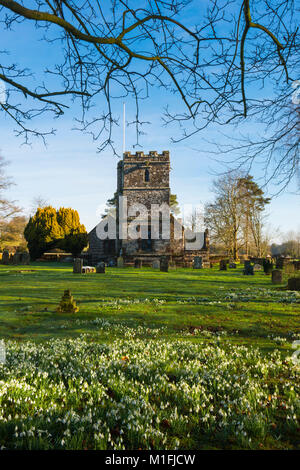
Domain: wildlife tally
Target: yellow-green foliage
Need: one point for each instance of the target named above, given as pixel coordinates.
(50, 228)
(69, 220)
(75, 236)
(12, 233)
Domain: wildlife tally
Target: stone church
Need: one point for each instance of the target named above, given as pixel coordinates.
(145, 179)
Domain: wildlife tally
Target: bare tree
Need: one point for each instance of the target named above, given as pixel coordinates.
(235, 218)
(123, 48)
(8, 209)
(276, 148)
(195, 220)
(224, 216)
(38, 202)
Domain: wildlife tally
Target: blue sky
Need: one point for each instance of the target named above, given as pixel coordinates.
(69, 172)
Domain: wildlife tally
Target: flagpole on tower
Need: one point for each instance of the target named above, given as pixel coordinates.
(124, 141)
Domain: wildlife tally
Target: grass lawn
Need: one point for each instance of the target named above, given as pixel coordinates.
(185, 359)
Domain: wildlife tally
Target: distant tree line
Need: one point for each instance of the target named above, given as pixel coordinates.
(12, 223)
(289, 247)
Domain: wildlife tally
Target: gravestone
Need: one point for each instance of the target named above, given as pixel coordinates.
(257, 267)
(276, 276)
(100, 268)
(120, 262)
(77, 266)
(281, 262)
(156, 264)
(268, 266)
(294, 283)
(197, 262)
(248, 268)
(297, 265)
(5, 257)
(223, 265)
(25, 257)
(17, 258)
(232, 265)
(137, 263)
(67, 303)
(289, 268)
(164, 264)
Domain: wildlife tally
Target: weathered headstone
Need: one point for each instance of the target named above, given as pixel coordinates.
(77, 266)
(281, 262)
(137, 263)
(294, 283)
(197, 262)
(17, 258)
(67, 303)
(25, 257)
(100, 268)
(120, 262)
(297, 265)
(257, 267)
(268, 266)
(5, 257)
(223, 265)
(248, 268)
(276, 276)
(164, 264)
(156, 264)
(289, 268)
(232, 265)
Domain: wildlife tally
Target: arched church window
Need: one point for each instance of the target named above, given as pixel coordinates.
(147, 175)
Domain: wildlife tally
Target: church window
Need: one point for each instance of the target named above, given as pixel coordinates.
(147, 175)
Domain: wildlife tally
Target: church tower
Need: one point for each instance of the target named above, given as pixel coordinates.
(144, 178)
